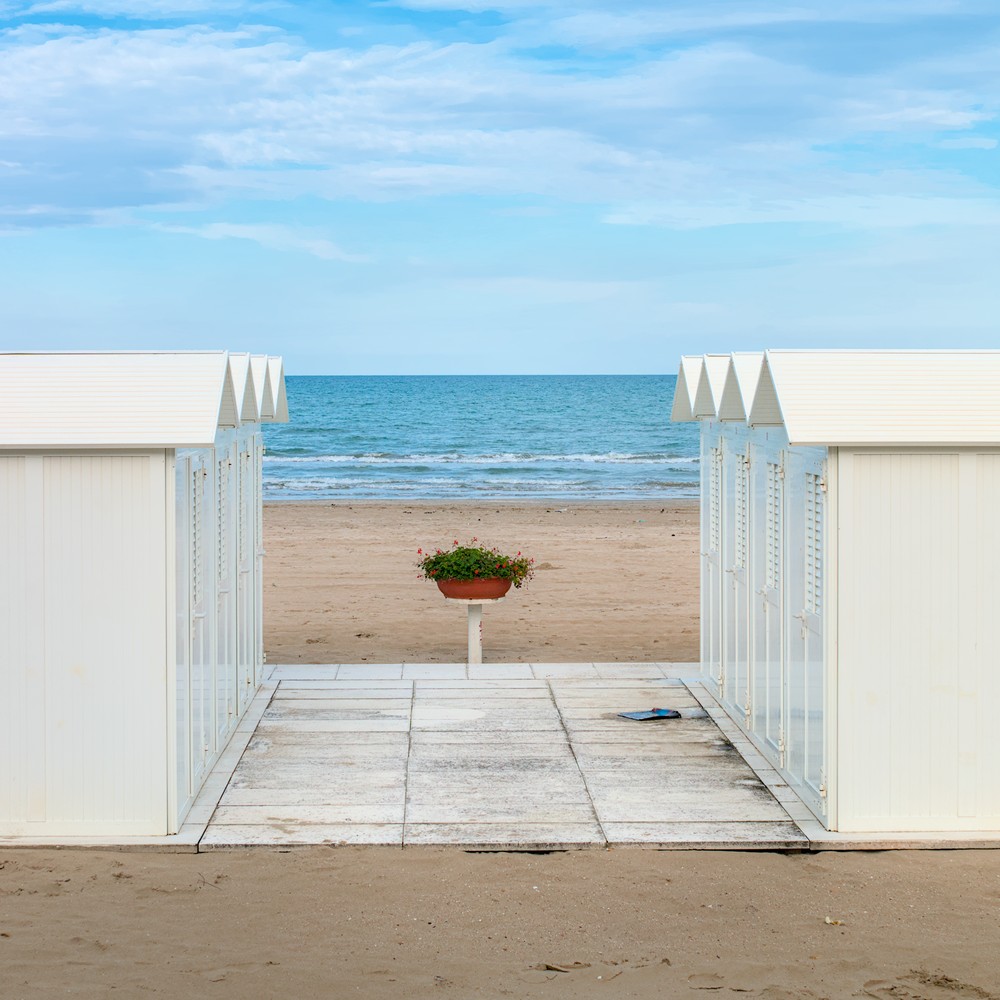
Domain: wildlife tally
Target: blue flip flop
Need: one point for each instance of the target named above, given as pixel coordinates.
(653, 713)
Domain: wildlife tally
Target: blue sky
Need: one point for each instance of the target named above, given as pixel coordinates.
(463, 186)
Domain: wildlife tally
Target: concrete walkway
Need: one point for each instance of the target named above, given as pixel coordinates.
(512, 757)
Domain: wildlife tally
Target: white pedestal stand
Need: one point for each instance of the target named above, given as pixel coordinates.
(475, 624)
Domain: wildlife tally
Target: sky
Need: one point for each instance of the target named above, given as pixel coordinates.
(439, 186)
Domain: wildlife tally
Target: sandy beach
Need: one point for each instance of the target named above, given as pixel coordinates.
(614, 582)
(384, 923)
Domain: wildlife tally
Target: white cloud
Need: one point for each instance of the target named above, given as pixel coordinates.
(274, 237)
(857, 211)
(141, 9)
(193, 115)
(969, 142)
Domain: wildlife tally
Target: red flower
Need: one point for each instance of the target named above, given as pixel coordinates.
(476, 572)
(420, 552)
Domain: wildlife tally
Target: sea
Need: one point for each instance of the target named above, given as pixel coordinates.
(484, 437)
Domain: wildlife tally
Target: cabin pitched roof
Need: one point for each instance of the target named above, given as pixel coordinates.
(262, 386)
(861, 398)
(714, 369)
(117, 399)
(740, 385)
(886, 397)
(276, 370)
(687, 385)
(239, 367)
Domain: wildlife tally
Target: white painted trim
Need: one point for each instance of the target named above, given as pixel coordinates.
(831, 627)
(170, 624)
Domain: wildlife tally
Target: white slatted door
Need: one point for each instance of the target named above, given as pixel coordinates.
(258, 576)
(245, 599)
(202, 694)
(804, 730)
(712, 564)
(227, 665)
(737, 587)
(767, 708)
(183, 634)
(727, 556)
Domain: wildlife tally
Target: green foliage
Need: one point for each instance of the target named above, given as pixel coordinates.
(471, 562)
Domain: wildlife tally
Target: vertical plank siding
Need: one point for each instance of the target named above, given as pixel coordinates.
(918, 591)
(85, 572)
(21, 660)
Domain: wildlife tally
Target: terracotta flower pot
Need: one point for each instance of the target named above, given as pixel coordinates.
(472, 590)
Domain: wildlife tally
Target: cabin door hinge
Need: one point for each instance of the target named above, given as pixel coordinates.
(822, 785)
(781, 748)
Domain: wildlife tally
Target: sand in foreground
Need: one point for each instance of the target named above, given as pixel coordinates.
(615, 582)
(385, 923)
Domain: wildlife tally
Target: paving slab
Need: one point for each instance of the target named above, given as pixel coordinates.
(500, 671)
(545, 671)
(330, 710)
(699, 836)
(332, 726)
(355, 812)
(218, 837)
(459, 811)
(314, 795)
(506, 836)
(433, 671)
(381, 671)
(373, 687)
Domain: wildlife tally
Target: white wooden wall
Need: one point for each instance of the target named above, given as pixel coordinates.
(918, 663)
(83, 609)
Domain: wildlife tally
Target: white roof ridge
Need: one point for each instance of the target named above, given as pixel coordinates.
(261, 373)
(710, 385)
(276, 370)
(243, 387)
(740, 385)
(688, 373)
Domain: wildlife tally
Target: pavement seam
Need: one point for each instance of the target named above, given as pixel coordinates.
(572, 750)
(409, 755)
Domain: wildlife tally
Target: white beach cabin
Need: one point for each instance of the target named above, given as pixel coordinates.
(130, 597)
(850, 581)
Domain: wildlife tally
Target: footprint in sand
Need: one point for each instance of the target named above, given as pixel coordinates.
(919, 985)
